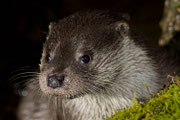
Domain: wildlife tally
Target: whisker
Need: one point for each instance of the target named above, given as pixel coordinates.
(24, 74)
(22, 77)
(25, 68)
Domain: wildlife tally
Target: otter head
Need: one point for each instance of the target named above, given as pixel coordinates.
(80, 53)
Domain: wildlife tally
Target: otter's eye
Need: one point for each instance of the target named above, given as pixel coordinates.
(85, 59)
(48, 58)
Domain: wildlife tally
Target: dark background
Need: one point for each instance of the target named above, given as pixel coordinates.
(24, 25)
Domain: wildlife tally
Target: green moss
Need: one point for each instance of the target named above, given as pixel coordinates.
(178, 5)
(165, 105)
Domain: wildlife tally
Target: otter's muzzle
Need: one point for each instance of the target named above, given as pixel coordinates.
(55, 81)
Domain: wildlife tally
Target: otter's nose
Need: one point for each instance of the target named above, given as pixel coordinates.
(55, 80)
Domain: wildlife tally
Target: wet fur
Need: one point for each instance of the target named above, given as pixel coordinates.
(122, 64)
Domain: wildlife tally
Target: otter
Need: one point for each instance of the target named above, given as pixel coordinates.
(93, 62)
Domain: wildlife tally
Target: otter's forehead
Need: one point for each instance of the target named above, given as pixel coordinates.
(83, 37)
(83, 27)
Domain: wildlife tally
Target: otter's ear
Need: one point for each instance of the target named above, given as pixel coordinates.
(51, 25)
(122, 28)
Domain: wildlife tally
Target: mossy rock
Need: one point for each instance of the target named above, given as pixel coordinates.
(165, 105)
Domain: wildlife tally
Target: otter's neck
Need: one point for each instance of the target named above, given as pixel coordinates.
(138, 70)
(90, 107)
